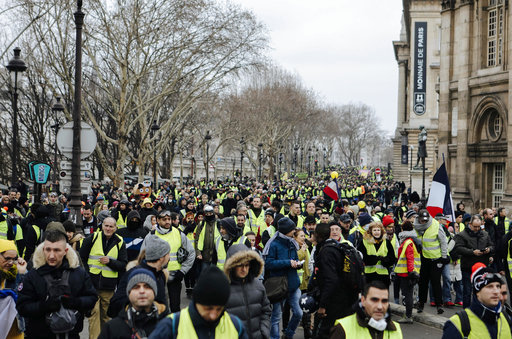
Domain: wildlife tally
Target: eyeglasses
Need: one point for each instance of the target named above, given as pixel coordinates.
(11, 260)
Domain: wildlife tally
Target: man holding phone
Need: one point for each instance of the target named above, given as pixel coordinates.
(473, 245)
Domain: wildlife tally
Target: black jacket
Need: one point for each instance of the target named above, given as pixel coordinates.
(30, 236)
(118, 265)
(120, 299)
(334, 296)
(118, 327)
(34, 291)
(133, 235)
(466, 242)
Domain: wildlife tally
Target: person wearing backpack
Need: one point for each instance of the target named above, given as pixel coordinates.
(55, 263)
(104, 257)
(334, 295)
(485, 317)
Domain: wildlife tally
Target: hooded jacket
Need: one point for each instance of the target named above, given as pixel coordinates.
(133, 235)
(34, 291)
(248, 299)
(148, 226)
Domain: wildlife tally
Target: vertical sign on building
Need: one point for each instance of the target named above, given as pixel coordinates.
(420, 67)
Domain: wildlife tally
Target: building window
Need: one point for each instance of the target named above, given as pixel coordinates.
(498, 184)
(494, 125)
(495, 31)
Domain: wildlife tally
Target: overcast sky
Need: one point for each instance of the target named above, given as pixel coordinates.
(340, 48)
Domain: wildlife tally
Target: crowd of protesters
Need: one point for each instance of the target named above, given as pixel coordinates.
(256, 260)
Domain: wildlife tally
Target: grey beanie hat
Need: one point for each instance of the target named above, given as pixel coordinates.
(141, 275)
(102, 215)
(156, 248)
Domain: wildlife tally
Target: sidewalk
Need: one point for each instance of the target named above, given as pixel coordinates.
(429, 315)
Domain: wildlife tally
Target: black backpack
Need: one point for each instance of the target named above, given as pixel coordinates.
(352, 272)
(63, 320)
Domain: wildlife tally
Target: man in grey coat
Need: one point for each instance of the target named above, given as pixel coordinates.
(248, 299)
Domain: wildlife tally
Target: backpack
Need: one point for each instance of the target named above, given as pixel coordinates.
(352, 271)
(63, 320)
(465, 326)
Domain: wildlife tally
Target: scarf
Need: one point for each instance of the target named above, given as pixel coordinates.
(282, 236)
(162, 230)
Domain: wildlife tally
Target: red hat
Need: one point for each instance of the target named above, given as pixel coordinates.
(387, 220)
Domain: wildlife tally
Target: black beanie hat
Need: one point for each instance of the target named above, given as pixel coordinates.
(229, 225)
(285, 225)
(212, 288)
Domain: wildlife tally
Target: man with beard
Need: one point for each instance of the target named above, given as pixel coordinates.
(205, 235)
(256, 217)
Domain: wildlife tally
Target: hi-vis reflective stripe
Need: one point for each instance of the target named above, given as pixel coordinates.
(2, 234)
(101, 256)
(219, 260)
(428, 247)
(417, 262)
(376, 267)
(103, 268)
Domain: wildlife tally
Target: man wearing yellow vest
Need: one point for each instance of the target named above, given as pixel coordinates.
(230, 234)
(182, 255)
(434, 256)
(485, 317)
(104, 257)
(205, 235)
(205, 316)
(371, 319)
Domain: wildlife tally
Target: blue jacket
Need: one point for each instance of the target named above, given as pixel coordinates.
(277, 262)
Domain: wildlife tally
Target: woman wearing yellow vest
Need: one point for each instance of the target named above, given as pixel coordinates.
(485, 318)
(378, 253)
(408, 267)
(371, 319)
(206, 314)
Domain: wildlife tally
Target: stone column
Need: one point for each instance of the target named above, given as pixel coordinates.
(402, 95)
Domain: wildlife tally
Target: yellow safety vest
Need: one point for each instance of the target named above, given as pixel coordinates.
(353, 330)
(509, 259)
(382, 252)
(430, 242)
(225, 328)
(394, 243)
(221, 251)
(173, 238)
(38, 232)
(190, 235)
(300, 220)
(95, 266)
(506, 223)
(200, 240)
(478, 328)
(121, 223)
(257, 223)
(401, 266)
(3, 229)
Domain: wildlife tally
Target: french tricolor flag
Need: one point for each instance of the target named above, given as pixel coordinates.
(440, 197)
(331, 190)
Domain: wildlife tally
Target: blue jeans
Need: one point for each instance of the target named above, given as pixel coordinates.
(457, 287)
(467, 289)
(445, 274)
(293, 300)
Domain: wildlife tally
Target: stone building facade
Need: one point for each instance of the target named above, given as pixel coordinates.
(474, 100)
(418, 56)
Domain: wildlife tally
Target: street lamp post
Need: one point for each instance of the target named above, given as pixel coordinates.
(56, 108)
(154, 130)
(242, 142)
(16, 65)
(325, 155)
(260, 156)
(309, 161)
(301, 158)
(75, 203)
(410, 172)
(295, 149)
(280, 160)
(207, 138)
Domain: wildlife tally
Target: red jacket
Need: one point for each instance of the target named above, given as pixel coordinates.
(409, 255)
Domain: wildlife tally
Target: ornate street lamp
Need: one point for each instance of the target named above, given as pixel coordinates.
(242, 142)
(16, 65)
(260, 156)
(57, 108)
(154, 130)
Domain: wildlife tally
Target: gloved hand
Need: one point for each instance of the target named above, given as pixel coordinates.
(175, 277)
(392, 276)
(70, 302)
(414, 275)
(445, 260)
(50, 305)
